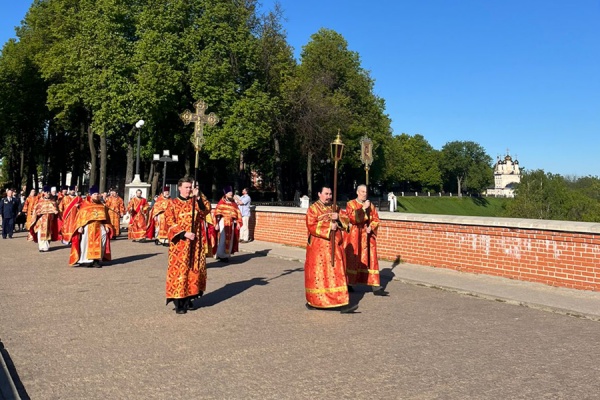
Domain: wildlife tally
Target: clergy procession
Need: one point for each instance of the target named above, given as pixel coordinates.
(341, 251)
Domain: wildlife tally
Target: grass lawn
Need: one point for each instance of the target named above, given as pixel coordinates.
(472, 206)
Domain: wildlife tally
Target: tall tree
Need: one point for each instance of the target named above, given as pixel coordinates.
(467, 164)
(412, 159)
(23, 114)
(332, 91)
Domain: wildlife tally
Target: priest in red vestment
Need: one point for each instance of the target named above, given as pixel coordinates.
(138, 211)
(325, 284)
(90, 243)
(116, 209)
(157, 226)
(29, 209)
(44, 228)
(186, 273)
(228, 221)
(68, 208)
(362, 266)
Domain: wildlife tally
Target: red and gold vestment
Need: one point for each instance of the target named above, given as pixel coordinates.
(68, 208)
(157, 218)
(229, 213)
(116, 209)
(94, 216)
(362, 266)
(186, 278)
(325, 285)
(45, 221)
(138, 210)
(29, 211)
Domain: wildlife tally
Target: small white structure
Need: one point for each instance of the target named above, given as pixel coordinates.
(506, 173)
(392, 200)
(304, 201)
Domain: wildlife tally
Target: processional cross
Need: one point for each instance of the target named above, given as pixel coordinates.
(199, 119)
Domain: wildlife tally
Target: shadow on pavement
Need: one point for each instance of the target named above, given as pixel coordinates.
(125, 260)
(386, 275)
(11, 386)
(238, 258)
(228, 291)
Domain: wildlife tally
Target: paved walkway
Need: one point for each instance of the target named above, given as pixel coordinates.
(76, 333)
(584, 304)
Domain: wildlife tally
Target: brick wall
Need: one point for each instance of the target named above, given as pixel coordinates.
(556, 253)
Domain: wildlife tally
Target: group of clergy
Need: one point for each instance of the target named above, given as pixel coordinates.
(223, 224)
(65, 216)
(341, 252)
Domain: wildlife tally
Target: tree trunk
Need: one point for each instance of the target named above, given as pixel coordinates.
(278, 185)
(459, 181)
(309, 174)
(130, 156)
(93, 156)
(153, 173)
(103, 160)
(22, 180)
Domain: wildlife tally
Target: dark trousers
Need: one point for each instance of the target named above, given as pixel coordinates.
(8, 226)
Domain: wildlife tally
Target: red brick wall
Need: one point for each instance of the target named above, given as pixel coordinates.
(557, 253)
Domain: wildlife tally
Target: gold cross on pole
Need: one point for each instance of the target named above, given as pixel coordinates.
(199, 119)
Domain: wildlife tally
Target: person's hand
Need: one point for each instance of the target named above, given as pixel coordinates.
(366, 204)
(190, 236)
(195, 192)
(368, 229)
(334, 226)
(80, 230)
(334, 216)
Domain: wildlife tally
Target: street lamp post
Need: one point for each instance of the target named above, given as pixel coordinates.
(337, 149)
(166, 158)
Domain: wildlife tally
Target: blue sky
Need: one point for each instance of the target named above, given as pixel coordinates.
(522, 75)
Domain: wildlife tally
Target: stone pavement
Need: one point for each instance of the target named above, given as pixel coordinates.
(584, 304)
(76, 333)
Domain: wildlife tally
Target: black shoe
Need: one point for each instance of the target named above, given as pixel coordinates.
(381, 292)
(309, 307)
(180, 306)
(142, 240)
(225, 260)
(350, 289)
(349, 309)
(96, 264)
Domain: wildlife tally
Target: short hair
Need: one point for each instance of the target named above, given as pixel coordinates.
(139, 190)
(185, 179)
(324, 187)
(362, 185)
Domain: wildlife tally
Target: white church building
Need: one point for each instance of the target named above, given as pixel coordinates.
(506, 173)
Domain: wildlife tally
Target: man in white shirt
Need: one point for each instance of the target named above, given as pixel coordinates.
(244, 206)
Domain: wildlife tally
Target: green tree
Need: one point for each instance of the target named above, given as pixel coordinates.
(23, 114)
(331, 92)
(542, 195)
(467, 164)
(412, 159)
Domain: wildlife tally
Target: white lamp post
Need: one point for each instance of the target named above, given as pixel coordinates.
(166, 158)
